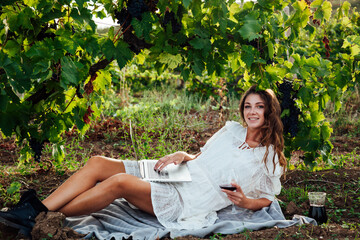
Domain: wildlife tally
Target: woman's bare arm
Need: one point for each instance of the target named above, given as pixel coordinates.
(175, 158)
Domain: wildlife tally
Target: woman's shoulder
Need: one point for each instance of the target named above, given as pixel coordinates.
(236, 129)
(235, 125)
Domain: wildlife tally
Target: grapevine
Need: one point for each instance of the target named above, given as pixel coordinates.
(56, 59)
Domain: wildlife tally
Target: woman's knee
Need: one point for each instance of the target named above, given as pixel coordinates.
(121, 183)
(95, 162)
(104, 167)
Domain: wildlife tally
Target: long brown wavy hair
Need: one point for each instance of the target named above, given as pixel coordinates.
(272, 129)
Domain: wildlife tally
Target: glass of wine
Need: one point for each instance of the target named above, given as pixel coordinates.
(227, 179)
(317, 209)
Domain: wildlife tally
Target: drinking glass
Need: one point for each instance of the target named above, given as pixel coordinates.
(228, 178)
(317, 209)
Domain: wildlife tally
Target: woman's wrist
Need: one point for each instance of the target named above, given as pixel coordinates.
(189, 157)
(256, 204)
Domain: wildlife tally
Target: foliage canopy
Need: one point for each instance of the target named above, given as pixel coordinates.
(54, 66)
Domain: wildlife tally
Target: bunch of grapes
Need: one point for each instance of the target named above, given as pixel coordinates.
(136, 8)
(37, 147)
(327, 47)
(288, 96)
(87, 114)
(123, 18)
(170, 17)
(316, 22)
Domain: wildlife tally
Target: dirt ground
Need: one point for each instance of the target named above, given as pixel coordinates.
(335, 181)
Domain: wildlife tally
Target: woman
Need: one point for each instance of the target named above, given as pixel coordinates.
(255, 152)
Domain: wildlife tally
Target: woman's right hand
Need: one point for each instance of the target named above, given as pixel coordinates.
(175, 158)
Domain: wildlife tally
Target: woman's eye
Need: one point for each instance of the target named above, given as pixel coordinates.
(261, 106)
(247, 106)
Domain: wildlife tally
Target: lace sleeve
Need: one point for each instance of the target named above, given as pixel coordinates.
(268, 183)
(268, 187)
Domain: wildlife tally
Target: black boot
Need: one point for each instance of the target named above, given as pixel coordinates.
(22, 215)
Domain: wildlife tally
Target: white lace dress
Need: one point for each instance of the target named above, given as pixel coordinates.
(194, 204)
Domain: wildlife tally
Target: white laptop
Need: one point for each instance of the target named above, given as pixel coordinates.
(171, 173)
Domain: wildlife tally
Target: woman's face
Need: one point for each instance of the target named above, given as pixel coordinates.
(254, 110)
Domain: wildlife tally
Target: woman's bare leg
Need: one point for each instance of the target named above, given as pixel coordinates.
(133, 189)
(97, 169)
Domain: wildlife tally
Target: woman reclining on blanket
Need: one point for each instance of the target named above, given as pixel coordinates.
(254, 151)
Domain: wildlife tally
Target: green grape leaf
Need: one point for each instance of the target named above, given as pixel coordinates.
(198, 66)
(41, 66)
(251, 28)
(323, 11)
(326, 131)
(299, 5)
(12, 48)
(248, 54)
(316, 115)
(102, 80)
(353, 42)
(344, 8)
(172, 61)
(83, 15)
(69, 72)
(24, 19)
(316, 3)
(201, 44)
(198, 43)
(31, 3)
(66, 43)
(186, 3)
(196, 8)
(123, 53)
(185, 73)
(276, 73)
(142, 28)
(271, 50)
(137, 27)
(108, 48)
(52, 14)
(299, 19)
(234, 62)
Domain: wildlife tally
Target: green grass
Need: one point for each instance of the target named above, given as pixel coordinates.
(166, 115)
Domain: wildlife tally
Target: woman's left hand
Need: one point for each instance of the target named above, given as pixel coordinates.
(237, 197)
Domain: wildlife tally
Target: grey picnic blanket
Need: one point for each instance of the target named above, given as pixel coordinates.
(121, 221)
